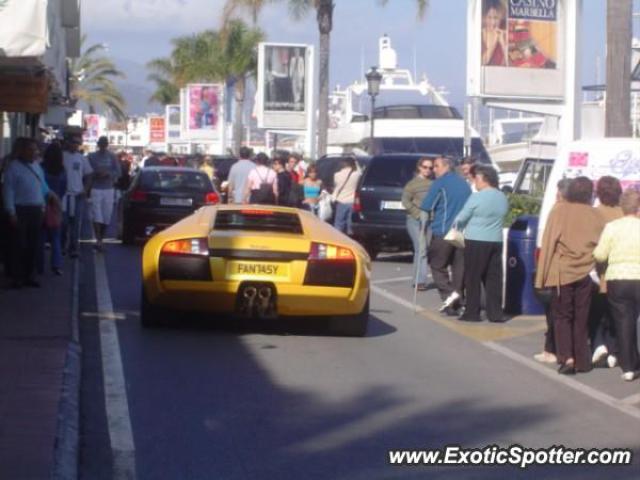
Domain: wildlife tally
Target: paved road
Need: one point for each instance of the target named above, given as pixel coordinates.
(204, 401)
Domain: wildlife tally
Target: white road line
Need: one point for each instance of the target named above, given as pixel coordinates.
(115, 392)
(631, 399)
(568, 381)
(392, 280)
(623, 406)
(395, 298)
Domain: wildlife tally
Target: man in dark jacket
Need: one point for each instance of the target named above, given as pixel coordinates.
(445, 199)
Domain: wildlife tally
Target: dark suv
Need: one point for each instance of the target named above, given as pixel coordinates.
(379, 220)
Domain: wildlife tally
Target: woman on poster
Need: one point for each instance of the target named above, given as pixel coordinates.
(494, 36)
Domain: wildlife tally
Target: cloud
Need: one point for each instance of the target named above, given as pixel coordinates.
(145, 15)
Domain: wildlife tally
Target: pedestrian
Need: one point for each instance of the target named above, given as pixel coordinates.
(262, 185)
(601, 326)
(345, 183)
(296, 194)
(619, 247)
(5, 228)
(284, 181)
(548, 354)
(206, 166)
(106, 170)
(78, 171)
(25, 193)
(446, 197)
(412, 196)
(238, 175)
(56, 178)
(466, 167)
(123, 182)
(312, 186)
(482, 219)
(566, 261)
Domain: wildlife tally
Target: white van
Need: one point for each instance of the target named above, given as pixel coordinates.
(617, 157)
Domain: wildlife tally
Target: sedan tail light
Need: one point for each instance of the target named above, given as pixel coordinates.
(138, 196)
(212, 198)
(330, 266)
(357, 206)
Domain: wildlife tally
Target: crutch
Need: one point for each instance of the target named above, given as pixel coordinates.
(422, 240)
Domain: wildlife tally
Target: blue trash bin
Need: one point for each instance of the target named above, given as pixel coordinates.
(520, 298)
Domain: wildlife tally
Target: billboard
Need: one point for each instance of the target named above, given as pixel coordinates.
(284, 85)
(203, 111)
(156, 129)
(172, 122)
(91, 128)
(515, 48)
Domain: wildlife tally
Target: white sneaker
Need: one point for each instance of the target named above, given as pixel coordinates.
(630, 376)
(450, 300)
(599, 353)
(612, 361)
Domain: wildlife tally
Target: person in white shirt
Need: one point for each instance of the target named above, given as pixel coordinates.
(78, 172)
(345, 184)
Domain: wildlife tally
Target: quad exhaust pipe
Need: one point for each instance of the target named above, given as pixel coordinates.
(248, 301)
(257, 301)
(264, 301)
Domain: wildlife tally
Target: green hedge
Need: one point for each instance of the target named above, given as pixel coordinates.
(522, 205)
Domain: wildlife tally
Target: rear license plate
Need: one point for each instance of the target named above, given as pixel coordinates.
(176, 202)
(392, 205)
(257, 271)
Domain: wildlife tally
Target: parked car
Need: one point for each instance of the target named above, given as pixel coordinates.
(379, 219)
(159, 197)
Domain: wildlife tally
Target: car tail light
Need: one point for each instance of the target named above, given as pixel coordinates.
(138, 196)
(330, 266)
(357, 206)
(186, 259)
(212, 198)
(188, 246)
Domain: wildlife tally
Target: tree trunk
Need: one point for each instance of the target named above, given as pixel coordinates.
(618, 103)
(325, 25)
(238, 127)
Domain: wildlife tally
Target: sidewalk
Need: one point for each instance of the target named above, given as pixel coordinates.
(38, 357)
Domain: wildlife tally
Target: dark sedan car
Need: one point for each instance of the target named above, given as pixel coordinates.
(160, 196)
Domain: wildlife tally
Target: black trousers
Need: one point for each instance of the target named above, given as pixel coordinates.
(602, 330)
(624, 300)
(483, 266)
(443, 255)
(25, 242)
(570, 309)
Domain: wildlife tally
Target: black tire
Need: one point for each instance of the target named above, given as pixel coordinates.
(372, 250)
(151, 315)
(351, 325)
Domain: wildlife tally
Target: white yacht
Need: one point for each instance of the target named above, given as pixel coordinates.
(431, 126)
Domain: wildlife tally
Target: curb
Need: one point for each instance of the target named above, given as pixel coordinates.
(66, 449)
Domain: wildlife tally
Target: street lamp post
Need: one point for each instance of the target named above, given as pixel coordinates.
(374, 77)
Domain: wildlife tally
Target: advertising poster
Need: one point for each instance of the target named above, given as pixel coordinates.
(172, 121)
(204, 106)
(284, 79)
(519, 34)
(91, 128)
(156, 129)
(284, 85)
(515, 48)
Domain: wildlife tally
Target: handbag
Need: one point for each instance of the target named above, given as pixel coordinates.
(455, 237)
(52, 215)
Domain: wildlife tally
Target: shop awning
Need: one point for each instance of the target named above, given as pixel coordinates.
(24, 28)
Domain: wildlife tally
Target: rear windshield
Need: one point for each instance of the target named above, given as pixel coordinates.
(172, 181)
(390, 171)
(258, 220)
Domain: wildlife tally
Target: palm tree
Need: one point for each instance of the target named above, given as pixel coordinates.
(324, 16)
(163, 75)
(91, 78)
(239, 61)
(210, 56)
(618, 100)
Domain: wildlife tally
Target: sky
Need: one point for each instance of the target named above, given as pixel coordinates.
(139, 30)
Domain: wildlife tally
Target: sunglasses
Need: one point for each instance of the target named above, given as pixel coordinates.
(430, 167)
